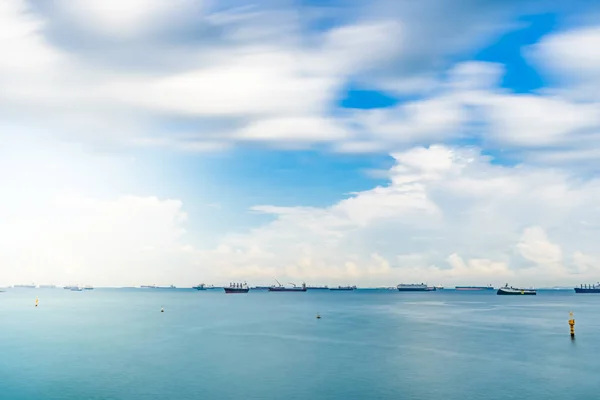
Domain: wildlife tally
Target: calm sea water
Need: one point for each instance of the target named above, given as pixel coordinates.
(115, 344)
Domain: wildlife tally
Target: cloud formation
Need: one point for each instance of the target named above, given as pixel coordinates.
(127, 241)
(131, 73)
(448, 215)
(119, 77)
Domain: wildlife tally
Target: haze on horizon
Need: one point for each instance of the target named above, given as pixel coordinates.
(369, 143)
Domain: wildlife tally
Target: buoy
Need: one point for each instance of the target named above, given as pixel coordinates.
(572, 324)
(318, 316)
(36, 301)
(162, 309)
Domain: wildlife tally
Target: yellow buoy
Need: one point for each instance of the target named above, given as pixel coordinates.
(572, 324)
(36, 301)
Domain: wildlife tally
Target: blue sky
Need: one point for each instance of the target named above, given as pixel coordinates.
(327, 142)
(319, 177)
(243, 177)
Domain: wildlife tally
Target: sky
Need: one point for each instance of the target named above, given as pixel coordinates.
(331, 142)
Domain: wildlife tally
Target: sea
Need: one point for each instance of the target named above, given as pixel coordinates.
(116, 344)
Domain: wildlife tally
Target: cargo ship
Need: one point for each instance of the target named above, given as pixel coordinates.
(488, 287)
(24, 286)
(509, 290)
(414, 287)
(237, 288)
(588, 288)
(281, 288)
(318, 287)
(346, 288)
(201, 286)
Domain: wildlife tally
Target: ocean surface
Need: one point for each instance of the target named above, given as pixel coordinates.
(116, 344)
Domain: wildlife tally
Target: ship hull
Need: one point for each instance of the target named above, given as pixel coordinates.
(414, 289)
(278, 289)
(587, 290)
(236, 290)
(471, 288)
(342, 289)
(516, 292)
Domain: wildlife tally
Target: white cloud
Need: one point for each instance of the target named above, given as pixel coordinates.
(528, 120)
(363, 46)
(537, 248)
(125, 18)
(432, 31)
(477, 268)
(65, 221)
(448, 216)
(24, 48)
(573, 58)
(251, 84)
(126, 241)
(427, 120)
(123, 72)
(585, 264)
(241, 83)
(475, 76)
(302, 129)
(469, 105)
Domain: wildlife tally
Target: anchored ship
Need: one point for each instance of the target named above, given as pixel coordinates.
(25, 286)
(201, 286)
(281, 288)
(509, 290)
(588, 288)
(414, 287)
(488, 287)
(318, 287)
(347, 288)
(237, 288)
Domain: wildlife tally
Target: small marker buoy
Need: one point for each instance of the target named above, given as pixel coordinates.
(36, 301)
(162, 309)
(318, 316)
(572, 325)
